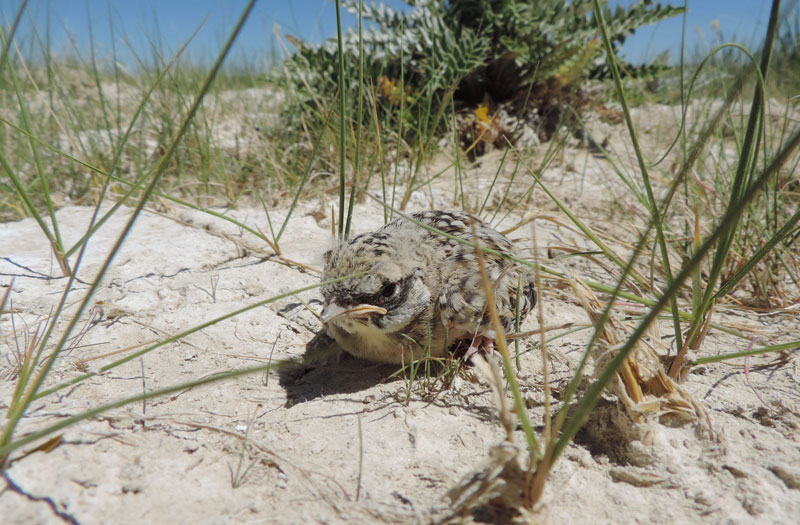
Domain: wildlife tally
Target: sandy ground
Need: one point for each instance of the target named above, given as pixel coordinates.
(348, 441)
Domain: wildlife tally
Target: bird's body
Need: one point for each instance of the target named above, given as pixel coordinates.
(420, 291)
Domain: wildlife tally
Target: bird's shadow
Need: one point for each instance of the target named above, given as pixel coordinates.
(321, 371)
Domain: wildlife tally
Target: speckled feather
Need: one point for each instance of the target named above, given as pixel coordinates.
(436, 297)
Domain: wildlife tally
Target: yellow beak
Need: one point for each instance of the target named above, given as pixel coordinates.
(333, 312)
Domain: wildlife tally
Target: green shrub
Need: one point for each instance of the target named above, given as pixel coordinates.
(492, 50)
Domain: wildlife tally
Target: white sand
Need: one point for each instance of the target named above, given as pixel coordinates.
(172, 458)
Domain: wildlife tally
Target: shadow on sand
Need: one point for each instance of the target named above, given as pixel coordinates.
(322, 372)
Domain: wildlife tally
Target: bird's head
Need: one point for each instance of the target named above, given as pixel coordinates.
(387, 293)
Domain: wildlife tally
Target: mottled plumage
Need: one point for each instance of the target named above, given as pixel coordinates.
(421, 291)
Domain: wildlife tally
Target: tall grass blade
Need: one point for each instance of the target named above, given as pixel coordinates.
(307, 173)
(7, 41)
(118, 154)
(20, 406)
(185, 333)
(55, 237)
(502, 348)
(729, 218)
(748, 154)
(791, 345)
(359, 117)
(342, 127)
(652, 204)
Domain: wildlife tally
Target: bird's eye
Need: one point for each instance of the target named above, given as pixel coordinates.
(388, 290)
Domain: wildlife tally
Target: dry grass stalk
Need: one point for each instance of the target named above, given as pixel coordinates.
(499, 477)
(496, 480)
(641, 384)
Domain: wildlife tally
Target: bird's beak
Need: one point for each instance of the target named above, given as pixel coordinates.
(361, 311)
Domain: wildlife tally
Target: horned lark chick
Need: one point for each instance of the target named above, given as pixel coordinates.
(421, 291)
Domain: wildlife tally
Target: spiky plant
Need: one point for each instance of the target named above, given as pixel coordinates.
(491, 49)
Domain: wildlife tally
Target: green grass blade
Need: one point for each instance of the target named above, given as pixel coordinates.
(307, 173)
(6, 448)
(55, 239)
(585, 229)
(134, 187)
(186, 333)
(785, 231)
(592, 395)
(342, 133)
(792, 345)
(7, 41)
(359, 117)
(652, 204)
(13, 418)
(746, 157)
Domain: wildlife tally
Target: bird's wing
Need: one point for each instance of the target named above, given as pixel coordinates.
(462, 301)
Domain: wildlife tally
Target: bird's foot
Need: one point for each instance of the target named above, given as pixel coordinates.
(479, 343)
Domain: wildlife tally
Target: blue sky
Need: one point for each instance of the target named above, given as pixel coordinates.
(315, 20)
